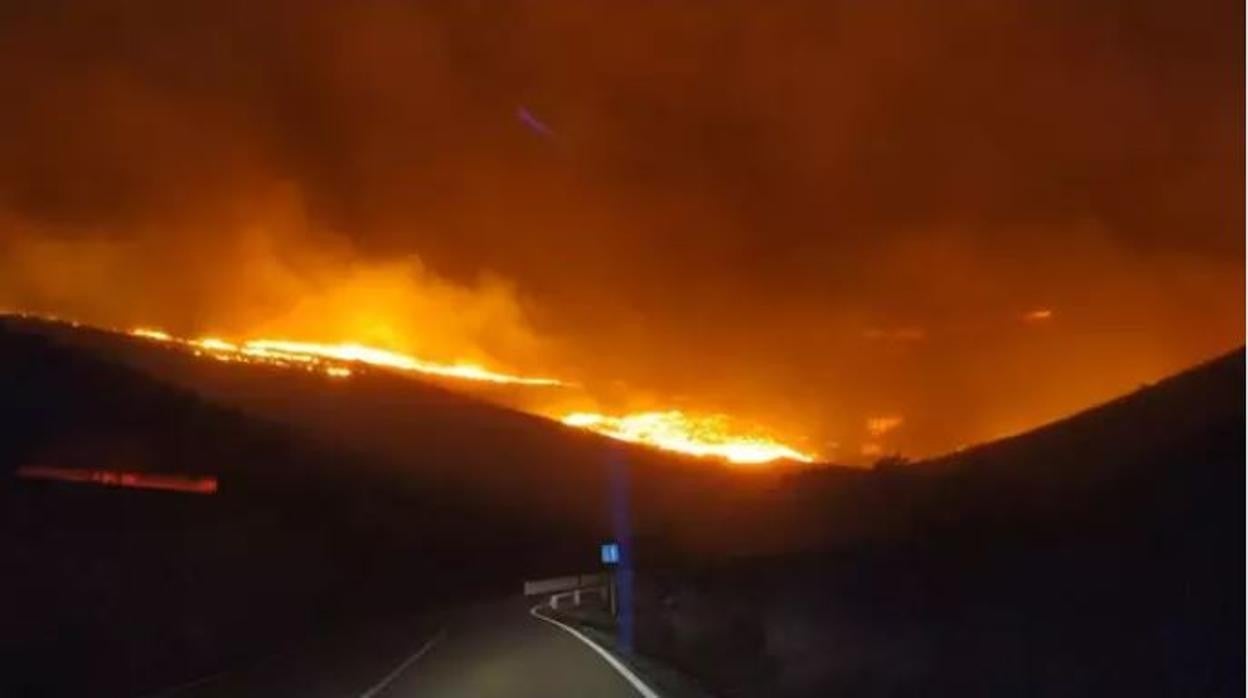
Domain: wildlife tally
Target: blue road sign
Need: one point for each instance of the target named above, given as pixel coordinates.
(610, 553)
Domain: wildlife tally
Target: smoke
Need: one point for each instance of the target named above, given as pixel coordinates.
(802, 214)
(256, 283)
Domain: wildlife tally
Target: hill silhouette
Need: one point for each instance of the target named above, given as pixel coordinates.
(336, 503)
(1098, 555)
(1070, 556)
(484, 452)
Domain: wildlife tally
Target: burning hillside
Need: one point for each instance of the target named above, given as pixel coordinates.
(333, 359)
(710, 436)
(706, 436)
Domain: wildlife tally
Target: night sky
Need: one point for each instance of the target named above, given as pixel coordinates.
(975, 216)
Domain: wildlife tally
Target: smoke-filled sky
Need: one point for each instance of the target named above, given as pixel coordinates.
(825, 216)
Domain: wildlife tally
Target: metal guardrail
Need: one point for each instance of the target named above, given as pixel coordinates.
(550, 586)
(576, 594)
(568, 583)
(573, 588)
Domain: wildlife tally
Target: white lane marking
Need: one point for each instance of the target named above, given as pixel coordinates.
(381, 685)
(628, 675)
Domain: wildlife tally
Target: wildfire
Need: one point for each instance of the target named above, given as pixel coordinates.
(332, 359)
(701, 435)
(694, 435)
(381, 357)
(709, 436)
(152, 334)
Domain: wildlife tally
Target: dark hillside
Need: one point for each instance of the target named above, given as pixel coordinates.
(494, 456)
(387, 498)
(1100, 555)
(301, 534)
(1097, 555)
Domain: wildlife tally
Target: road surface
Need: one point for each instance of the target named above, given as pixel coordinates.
(486, 654)
(484, 651)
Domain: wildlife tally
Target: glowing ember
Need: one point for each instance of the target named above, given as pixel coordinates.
(879, 426)
(1038, 315)
(330, 358)
(694, 435)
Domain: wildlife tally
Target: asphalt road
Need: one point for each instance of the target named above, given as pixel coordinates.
(489, 652)
(484, 651)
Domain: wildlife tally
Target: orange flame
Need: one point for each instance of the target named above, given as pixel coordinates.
(697, 435)
(694, 435)
(349, 352)
(330, 358)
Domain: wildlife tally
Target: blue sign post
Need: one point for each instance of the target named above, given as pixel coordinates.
(611, 558)
(622, 567)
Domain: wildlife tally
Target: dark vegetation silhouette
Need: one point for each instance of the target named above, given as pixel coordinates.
(338, 504)
(1098, 555)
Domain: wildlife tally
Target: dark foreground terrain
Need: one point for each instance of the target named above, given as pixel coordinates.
(340, 509)
(1099, 556)
(1102, 555)
(111, 591)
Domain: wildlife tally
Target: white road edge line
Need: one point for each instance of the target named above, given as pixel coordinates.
(628, 675)
(386, 681)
